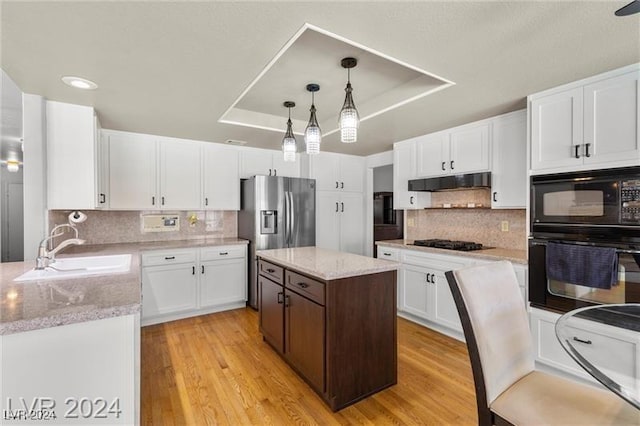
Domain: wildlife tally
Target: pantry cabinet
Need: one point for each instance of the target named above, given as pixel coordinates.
(181, 283)
(592, 123)
(74, 158)
(339, 224)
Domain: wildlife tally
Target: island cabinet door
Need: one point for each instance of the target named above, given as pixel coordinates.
(272, 312)
(304, 338)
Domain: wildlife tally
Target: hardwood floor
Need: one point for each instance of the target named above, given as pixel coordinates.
(216, 369)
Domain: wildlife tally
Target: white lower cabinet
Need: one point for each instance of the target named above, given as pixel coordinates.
(188, 282)
(622, 351)
(80, 374)
(425, 290)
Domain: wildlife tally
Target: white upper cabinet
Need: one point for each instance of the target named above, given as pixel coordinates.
(180, 175)
(339, 221)
(337, 172)
(267, 162)
(404, 169)
(556, 130)
(508, 174)
(221, 171)
(132, 171)
(592, 123)
(611, 119)
(73, 158)
(460, 150)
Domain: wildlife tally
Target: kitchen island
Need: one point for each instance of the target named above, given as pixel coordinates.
(332, 317)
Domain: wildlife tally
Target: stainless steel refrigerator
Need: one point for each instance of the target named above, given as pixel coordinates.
(275, 212)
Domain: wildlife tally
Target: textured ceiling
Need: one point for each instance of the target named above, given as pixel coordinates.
(174, 68)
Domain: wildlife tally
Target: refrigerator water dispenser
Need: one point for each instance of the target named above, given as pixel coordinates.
(268, 221)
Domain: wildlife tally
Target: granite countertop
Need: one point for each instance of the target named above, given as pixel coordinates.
(515, 256)
(32, 305)
(326, 264)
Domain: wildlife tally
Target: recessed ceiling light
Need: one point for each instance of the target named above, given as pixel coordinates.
(79, 82)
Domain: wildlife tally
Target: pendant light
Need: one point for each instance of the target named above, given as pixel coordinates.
(349, 118)
(312, 134)
(289, 147)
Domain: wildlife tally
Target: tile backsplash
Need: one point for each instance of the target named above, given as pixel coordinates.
(478, 225)
(104, 227)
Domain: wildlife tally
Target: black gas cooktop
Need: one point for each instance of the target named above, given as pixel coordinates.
(450, 245)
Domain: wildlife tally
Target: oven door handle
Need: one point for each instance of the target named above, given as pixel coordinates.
(579, 243)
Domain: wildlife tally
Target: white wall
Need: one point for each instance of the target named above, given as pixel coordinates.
(35, 172)
(383, 179)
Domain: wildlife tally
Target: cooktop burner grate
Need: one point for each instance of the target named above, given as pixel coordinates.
(449, 244)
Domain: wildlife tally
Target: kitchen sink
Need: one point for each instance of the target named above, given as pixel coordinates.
(75, 267)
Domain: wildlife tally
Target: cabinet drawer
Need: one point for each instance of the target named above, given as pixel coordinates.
(274, 272)
(168, 257)
(388, 253)
(312, 289)
(222, 252)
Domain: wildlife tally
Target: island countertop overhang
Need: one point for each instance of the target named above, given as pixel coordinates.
(327, 264)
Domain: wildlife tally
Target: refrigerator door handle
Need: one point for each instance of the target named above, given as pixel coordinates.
(287, 226)
(292, 218)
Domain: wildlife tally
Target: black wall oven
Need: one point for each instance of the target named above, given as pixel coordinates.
(598, 209)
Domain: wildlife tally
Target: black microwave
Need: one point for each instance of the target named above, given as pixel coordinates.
(600, 204)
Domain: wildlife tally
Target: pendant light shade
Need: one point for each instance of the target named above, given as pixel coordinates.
(349, 118)
(289, 146)
(313, 134)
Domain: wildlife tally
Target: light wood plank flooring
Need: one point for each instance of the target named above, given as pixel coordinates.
(216, 369)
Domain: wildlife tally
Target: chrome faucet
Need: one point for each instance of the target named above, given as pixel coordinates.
(46, 256)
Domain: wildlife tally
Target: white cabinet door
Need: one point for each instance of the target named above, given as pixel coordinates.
(414, 292)
(611, 120)
(469, 149)
(168, 289)
(433, 155)
(222, 281)
(327, 220)
(285, 168)
(103, 169)
(180, 177)
(132, 172)
(351, 223)
(325, 168)
(351, 173)
(509, 171)
(404, 169)
(71, 156)
(221, 178)
(255, 162)
(557, 130)
(445, 311)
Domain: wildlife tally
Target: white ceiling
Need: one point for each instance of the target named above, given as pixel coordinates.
(174, 68)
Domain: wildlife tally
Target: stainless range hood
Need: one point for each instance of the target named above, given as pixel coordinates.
(448, 183)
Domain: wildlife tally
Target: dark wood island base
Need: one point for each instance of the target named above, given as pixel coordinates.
(338, 334)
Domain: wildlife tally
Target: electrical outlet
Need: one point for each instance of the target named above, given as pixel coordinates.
(504, 225)
(411, 222)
